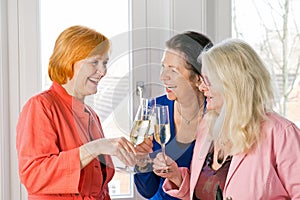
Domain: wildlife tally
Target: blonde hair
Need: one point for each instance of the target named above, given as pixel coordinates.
(246, 87)
(74, 44)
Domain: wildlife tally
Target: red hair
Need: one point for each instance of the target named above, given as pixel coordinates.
(74, 44)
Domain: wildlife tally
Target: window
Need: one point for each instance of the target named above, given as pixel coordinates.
(272, 28)
(113, 21)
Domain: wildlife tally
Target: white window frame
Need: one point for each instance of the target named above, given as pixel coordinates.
(20, 74)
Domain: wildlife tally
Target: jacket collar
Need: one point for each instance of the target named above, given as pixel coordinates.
(77, 106)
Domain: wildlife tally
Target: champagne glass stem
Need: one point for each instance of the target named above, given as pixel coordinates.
(163, 149)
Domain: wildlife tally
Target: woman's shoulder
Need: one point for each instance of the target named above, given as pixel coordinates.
(279, 125)
(45, 98)
(277, 120)
(39, 96)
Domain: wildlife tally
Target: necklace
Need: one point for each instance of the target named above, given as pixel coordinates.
(186, 120)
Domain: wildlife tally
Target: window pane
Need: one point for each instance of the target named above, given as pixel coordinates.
(112, 19)
(272, 28)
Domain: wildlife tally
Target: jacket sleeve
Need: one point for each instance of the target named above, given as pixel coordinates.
(147, 183)
(43, 166)
(184, 191)
(287, 150)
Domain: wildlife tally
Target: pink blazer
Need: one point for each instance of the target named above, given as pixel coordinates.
(270, 171)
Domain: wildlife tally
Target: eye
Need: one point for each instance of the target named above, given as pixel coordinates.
(95, 63)
(105, 63)
(162, 68)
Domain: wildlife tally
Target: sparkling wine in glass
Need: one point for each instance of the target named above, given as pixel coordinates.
(162, 132)
(141, 129)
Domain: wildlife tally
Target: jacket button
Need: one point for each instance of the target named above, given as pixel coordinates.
(228, 198)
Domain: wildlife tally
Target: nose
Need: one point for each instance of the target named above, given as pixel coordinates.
(101, 70)
(164, 74)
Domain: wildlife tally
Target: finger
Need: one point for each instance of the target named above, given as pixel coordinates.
(166, 159)
(170, 162)
(141, 147)
(159, 165)
(128, 151)
(161, 157)
(144, 148)
(163, 172)
(156, 161)
(128, 146)
(149, 140)
(159, 160)
(126, 157)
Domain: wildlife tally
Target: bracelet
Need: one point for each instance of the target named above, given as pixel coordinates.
(144, 169)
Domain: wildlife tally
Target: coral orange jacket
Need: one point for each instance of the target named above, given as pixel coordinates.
(51, 127)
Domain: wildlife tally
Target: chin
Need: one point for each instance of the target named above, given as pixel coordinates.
(92, 92)
(171, 96)
(95, 92)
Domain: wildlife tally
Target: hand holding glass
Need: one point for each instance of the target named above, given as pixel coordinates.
(141, 129)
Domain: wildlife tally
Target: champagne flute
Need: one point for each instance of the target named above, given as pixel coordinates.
(141, 129)
(162, 132)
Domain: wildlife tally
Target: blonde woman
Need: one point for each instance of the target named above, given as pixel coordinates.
(243, 150)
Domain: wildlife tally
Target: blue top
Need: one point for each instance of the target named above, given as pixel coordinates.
(149, 185)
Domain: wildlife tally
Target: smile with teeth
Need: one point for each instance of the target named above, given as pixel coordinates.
(94, 80)
(171, 87)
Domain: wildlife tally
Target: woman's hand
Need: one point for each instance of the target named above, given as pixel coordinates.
(143, 160)
(119, 147)
(146, 146)
(167, 168)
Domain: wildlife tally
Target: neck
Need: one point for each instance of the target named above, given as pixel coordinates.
(71, 91)
(190, 110)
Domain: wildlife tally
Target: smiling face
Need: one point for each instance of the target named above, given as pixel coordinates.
(87, 74)
(176, 77)
(214, 97)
